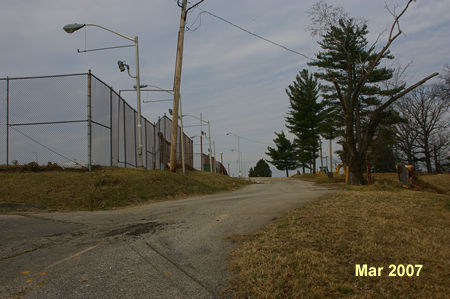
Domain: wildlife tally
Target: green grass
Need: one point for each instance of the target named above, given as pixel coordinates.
(103, 188)
(312, 251)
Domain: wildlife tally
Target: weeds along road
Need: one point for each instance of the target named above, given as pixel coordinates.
(163, 250)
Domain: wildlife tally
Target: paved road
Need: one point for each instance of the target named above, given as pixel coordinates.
(170, 249)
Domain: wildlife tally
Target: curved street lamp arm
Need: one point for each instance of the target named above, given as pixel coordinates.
(112, 31)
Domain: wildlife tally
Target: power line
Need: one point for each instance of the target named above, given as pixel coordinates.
(245, 30)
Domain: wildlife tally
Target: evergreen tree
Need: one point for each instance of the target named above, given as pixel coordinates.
(305, 117)
(383, 157)
(262, 169)
(354, 75)
(284, 156)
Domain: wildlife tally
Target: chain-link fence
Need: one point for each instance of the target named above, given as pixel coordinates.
(77, 120)
(216, 166)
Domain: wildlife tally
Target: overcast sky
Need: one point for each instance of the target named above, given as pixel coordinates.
(236, 80)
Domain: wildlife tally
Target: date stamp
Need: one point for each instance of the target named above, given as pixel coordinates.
(364, 270)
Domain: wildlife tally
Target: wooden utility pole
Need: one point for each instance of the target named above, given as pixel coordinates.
(176, 88)
(177, 82)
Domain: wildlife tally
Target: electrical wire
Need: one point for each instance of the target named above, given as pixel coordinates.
(202, 11)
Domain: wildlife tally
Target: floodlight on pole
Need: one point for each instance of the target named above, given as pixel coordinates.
(71, 28)
(121, 66)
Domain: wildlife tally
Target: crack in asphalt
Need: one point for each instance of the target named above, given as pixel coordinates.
(193, 278)
(137, 229)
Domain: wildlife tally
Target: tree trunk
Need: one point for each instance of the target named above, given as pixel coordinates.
(356, 171)
(410, 158)
(287, 173)
(314, 161)
(436, 162)
(428, 158)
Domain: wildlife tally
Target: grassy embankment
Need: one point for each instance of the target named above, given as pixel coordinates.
(103, 188)
(312, 251)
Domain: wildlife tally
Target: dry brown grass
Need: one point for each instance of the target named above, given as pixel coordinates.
(321, 178)
(312, 251)
(103, 188)
(441, 182)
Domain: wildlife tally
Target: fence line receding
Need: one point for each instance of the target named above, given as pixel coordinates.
(77, 121)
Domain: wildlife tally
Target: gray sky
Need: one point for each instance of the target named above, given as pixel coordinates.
(236, 80)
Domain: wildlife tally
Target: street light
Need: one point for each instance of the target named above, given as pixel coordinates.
(239, 151)
(71, 28)
(209, 139)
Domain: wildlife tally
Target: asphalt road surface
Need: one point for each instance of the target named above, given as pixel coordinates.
(171, 249)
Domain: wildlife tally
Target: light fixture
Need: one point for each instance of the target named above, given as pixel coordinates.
(71, 28)
(122, 65)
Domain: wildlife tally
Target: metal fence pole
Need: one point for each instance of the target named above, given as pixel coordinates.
(110, 126)
(118, 131)
(154, 146)
(159, 141)
(89, 129)
(135, 147)
(164, 148)
(7, 121)
(124, 136)
(146, 161)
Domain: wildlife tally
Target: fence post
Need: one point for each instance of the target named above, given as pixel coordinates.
(110, 126)
(118, 131)
(89, 129)
(124, 136)
(154, 146)
(146, 144)
(7, 122)
(135, 147)
(159, 143)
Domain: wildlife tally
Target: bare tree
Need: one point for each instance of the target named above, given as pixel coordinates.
(426, 110)
(406, 139)
(440, 145)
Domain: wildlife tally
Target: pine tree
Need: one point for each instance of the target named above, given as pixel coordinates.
(305, 117)
(284, 156)
(354, 73)
(262, 169)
